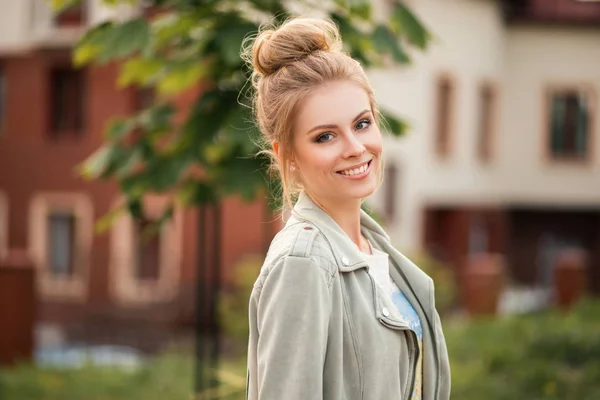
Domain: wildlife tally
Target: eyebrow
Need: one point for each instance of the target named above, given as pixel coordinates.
(330, 126)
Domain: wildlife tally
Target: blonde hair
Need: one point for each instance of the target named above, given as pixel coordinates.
(288, 62)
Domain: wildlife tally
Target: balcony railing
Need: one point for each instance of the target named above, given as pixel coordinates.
(575, 12)
(48, 29)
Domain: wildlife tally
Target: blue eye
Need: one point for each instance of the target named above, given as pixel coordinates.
(324, 137)
(365, 123)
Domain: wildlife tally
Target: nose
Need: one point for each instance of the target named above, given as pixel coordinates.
(353, 147)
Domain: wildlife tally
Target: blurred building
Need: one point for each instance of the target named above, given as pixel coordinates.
(52, 117)
(502, 156)
(504, 151)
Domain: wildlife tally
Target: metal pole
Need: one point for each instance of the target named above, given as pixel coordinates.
(208, 284)
(200, 378)
(216, 289)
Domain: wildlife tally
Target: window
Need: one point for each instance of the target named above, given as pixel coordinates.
(67, 101)
(445, 98)
(148, 251)
(391, 177)
(487, 102)
(3, 225)
(61, 243)
(145, 265)
(60, 240)
(2, 97)
(569, 123)
(478, 235)
(71, 17)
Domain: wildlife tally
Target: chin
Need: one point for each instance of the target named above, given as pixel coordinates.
(359, 193)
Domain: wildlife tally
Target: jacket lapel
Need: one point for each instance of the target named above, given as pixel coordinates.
(411, 280)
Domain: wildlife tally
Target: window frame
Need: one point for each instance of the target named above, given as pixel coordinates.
(56, 132)
(390, 195)
(4, 225)
(3, 97)
(125, 287)
(549, 93)
(73, 287)
(139, 230)
(72, 226)
(75, 16)
(486, 137)
(443, 140)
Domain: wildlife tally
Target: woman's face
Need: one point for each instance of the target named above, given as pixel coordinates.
(337, 145)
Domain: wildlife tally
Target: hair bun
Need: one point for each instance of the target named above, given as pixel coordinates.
(292, 41)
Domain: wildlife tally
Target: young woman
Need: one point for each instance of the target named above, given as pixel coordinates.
(337, 312)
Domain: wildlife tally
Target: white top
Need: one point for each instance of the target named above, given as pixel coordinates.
(380, 271)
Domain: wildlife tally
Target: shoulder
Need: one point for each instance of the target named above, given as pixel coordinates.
(301, 240)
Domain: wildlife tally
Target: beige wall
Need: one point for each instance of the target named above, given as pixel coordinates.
(468, 45)
(14, 18)
(472, 44)
(538, 58)
(28, 23)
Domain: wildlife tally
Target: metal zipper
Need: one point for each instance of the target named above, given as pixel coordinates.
(413, 355)
(413, 368)
(413, 345)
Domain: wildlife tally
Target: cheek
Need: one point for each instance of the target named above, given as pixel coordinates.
(375, 141)
(317, 160)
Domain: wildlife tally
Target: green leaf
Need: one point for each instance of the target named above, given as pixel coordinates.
(129, 37)
(195, 192)
(129, 163)
(164, 172)
(89, 47)
(157, 118)
(172, 26)
(116, 41)
(386, 42)
(357, 8)
(113, 3)
(118, 128)
(403, 21)
(135, 207)
(139, 70)
(241, 175)
(107, 220)
(229, 40)
(195, 42)
(96, 164)
(241, 130)
(395, 126)
(59, 6)
(85, 53)
(182, 76)
(356, 42)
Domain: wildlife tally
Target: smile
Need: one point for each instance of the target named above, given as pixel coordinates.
(357, 172)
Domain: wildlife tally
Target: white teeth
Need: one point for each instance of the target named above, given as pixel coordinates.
(355, 171)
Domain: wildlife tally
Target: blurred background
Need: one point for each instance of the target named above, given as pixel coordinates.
(133, 223)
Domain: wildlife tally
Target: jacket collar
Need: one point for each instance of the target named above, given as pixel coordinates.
(348, 255)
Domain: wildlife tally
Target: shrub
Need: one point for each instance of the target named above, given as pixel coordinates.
(446, 290)
(233, 302)
(550, 355)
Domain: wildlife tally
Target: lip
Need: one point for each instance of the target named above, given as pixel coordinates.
(357, 176)
(354, 166)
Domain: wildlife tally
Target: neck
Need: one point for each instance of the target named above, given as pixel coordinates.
(347, 216)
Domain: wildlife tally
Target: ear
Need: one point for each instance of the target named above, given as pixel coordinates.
(277, 150)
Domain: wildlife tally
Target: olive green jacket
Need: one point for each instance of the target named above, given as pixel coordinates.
(321, 329)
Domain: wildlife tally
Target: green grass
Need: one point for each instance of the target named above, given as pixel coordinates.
(549, 355)
(167, 377)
